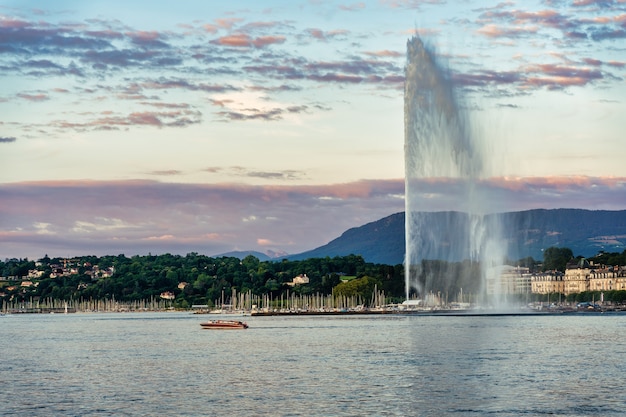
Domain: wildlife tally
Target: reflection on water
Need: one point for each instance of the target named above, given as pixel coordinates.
(164, 363)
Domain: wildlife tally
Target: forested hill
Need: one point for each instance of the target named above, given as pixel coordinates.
(527, 233)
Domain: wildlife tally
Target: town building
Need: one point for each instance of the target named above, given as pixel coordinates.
(507, 279)
(299, 280)
(580, 275)
(548, 282)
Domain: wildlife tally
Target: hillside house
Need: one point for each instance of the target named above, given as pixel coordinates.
(299, 280)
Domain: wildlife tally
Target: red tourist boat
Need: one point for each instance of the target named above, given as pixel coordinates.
(224, 324)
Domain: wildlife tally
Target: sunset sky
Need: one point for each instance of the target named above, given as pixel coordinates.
(133, 127)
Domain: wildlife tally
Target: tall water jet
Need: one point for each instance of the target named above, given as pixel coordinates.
(446, 247)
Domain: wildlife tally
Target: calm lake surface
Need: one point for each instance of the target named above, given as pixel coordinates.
(145, 364)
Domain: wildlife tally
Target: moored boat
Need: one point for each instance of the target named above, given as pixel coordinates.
(224, 324)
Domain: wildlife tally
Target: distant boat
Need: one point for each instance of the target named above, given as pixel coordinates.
(224, 324)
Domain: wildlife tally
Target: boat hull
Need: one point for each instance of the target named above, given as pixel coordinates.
(224, 325)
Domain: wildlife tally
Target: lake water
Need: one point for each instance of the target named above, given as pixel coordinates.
(145, 364)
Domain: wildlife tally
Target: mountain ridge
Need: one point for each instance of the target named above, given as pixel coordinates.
(268, 255)
(527, 233)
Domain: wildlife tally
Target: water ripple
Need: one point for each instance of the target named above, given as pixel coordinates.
(149, 364)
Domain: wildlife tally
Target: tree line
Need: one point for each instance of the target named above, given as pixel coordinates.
(199, 279)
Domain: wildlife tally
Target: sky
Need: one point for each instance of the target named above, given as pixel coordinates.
(133, 127)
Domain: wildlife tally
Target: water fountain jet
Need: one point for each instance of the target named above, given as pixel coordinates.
(453, 245)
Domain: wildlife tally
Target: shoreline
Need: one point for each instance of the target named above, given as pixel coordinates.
(449, 313)
(374, 312)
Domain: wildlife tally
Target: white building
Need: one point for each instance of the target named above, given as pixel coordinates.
(507, 279)
(299, 280)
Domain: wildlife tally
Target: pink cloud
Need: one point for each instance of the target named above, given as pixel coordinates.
(248, 27)
(242, 40)
(109, 121)
(591, 61)
(582, 3)
(237, 40)
(617, 64)
(225, 23)
(11, 23)
(325, 35)
(385, 53)
(111, 34)
(137, 217)
(33, 97)
(317, 34)
(545, 17)
(267, 40)
(144, 36)
(494, 31)
(159, 217)
(558, 76)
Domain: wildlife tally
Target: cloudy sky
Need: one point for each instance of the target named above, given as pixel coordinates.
(208, 126)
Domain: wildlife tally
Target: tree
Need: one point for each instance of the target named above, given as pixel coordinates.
(556, 259)
(361, 287)
(329, 281)
(145, 277)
